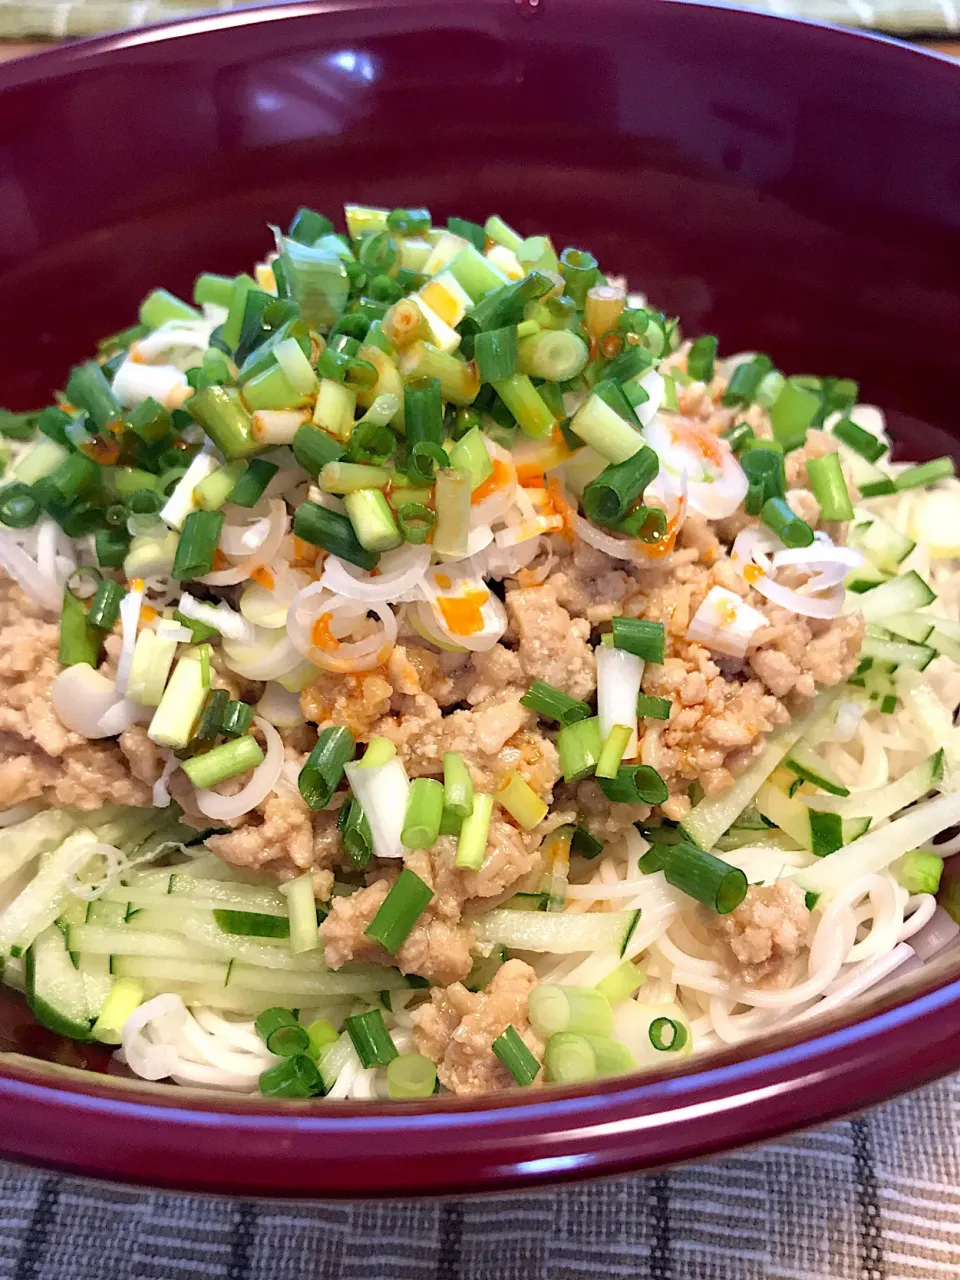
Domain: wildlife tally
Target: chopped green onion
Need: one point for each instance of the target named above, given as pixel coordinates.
(223, 762)
(745, 381)
(73, 478)
(470, 454)
(829, 487)
(702, 876)
(862, 442)
(582, 1010)
(579, 747)
(80, 641)
(111, 546)
(526, 404)
(472, 845)
(495, 351)
(521, 801)
(105, 605)
(415, 521)
(180, 707)
(457, 785)
(452, 499)
(225, 420)
(160, 306)
(197, 544)
(424, 459)
(648, 524)
(668, 1035)
(923, 473)
(763, 467)
(622, 983)
(585, 844)
(213, 491)
(411, 1075)
(450, 823)
(611, 1057)
(737, 435)
(647, 640)
(371, 442)
(333, 532)
(372, 519)
(618, 739)
(553, 703)
(792, 413)
(88, 389)
(323, 769)
(652, 708)
(252, 482)
(213, 288)
(18, 426)
(580, 272)
(211, 718)
(308, 226)
(569, 1059)
(237, 718)
(603, 428)
(150, 421)
(355, 834)
(615, 398)
(607, 499)
(471, 231)
(399, 911)
(635, 784)
(295, 1077)
(421, 824)
(19, 508)
(556, 355)
(349, 477)
(313, 449)
(52, 423)
(790, 529)
(272, 1020)
(516, 1057)
(700, 358)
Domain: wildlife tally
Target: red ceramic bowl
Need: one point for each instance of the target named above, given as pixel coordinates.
(791, 188)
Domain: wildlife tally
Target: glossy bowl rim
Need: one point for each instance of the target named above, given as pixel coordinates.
(620, 1126)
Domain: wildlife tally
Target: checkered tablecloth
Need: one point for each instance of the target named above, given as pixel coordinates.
(875, 1198)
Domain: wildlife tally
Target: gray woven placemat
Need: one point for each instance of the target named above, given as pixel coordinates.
(870, 1199)
(56, 19)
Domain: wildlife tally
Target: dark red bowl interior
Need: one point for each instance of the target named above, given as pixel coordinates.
(789, 187)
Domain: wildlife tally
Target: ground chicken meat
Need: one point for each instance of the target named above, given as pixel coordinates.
(795, 655)
(458, 1027)
(284, 837)
(436, 948)
(552, 646)
(494, 738)
(587, 583)
(40, 759)
(767, 930)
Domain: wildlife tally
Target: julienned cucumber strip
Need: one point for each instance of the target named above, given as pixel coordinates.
(39, 904)
(558, 933)
(187, 892)
(882, 544)
(877, 849)
(899, 653)
(709, 819)
(820, 834)
(56, 992)
(351, 980)
(904, 594)
(910, 626)
(809, 765)
(882, 802)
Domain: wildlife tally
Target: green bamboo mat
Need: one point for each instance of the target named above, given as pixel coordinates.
(56, 19)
